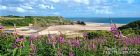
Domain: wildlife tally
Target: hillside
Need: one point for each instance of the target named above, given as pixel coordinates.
(42, 21)
(133, 25)
(132, 28)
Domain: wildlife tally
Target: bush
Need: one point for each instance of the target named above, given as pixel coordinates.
(81, 23)
(90, 35)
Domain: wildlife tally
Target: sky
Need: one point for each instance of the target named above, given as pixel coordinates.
(71, 8)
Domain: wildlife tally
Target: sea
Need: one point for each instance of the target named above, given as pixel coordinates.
(105, 20)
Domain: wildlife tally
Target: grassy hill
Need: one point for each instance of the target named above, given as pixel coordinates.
(131, 28)
(42, 21)
(133, 25)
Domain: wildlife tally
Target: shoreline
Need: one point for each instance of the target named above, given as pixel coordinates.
(92, 23)
(68, 29)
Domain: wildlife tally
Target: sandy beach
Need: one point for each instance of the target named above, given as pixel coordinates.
(66, 29)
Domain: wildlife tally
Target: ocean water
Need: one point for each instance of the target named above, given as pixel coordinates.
(106, 20)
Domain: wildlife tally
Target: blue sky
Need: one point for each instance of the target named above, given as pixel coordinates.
(71, 8)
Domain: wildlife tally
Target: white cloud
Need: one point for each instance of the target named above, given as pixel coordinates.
(65, 0)
(42, 6)
(127, 1)
(55, 1)
(27, 7)
(86, 1)
(100, 9)
(21, 10)
(130, 1)
(56, 13)
(82, 1)
(51, 7)
(78, 1)
(2, 7)
(100, 1)
(103, 11)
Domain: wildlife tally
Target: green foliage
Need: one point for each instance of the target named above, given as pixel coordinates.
(98, 33)
(18, 22)
(132, 28)
(133, 25)
(110, 47)
(44, 49)
(90, 35)
(36, 20)
(6, 43)
(128, 31)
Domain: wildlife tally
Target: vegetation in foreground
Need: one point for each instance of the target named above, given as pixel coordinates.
(60, 45)
(93, 43)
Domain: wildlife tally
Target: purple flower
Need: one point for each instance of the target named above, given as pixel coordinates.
(1, 27)
(114, 27)
(20, 39)
(61, 39)
(85, 34)
(92, 46)
(75, 42)
(14, 45)
(49, 35)
(131, 41)
(19, 42)
(71, 53)
(116, 32)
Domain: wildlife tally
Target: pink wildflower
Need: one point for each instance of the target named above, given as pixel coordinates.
(71, 53)
(1, 27)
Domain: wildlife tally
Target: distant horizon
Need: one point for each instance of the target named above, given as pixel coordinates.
(75, 16)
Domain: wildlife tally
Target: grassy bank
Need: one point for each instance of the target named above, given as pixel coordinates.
(40, 21)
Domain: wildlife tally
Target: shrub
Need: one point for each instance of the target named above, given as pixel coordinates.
(81, 23)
